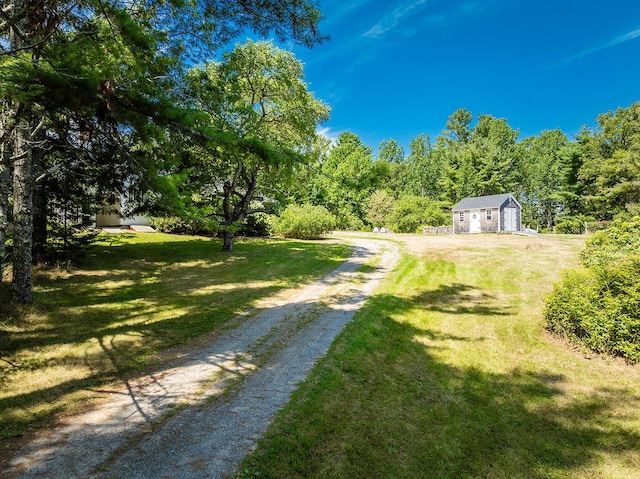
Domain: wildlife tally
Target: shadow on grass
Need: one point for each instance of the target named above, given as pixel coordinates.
(164, 293)
(460, 298)
(384, 405)
(123, 287)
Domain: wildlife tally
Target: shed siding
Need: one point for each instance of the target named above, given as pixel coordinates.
(489, 226)
(481, 204)
(461, 226)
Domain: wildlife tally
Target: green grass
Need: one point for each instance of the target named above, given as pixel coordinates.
(135, 296)
(448, 373)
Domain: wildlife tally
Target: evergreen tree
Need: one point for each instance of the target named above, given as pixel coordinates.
(93, 79)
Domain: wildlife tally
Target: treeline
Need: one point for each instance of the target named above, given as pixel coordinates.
(563, 184)
(134, 99)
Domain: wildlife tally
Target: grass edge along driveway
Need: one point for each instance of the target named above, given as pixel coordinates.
(134, 303)
(448, 372)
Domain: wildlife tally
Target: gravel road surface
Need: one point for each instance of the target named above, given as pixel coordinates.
(201, 416)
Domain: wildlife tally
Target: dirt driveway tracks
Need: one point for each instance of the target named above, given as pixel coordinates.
(201, 416)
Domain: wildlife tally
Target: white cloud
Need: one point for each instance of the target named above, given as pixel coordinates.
(394, 18)
(329, 133)
(611, 43)
(342, 10)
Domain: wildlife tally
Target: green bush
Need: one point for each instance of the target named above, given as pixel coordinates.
(572, 225)
(68, 243)
(617, 243)
(411, 213)
(257, 224)
(599, 305)
(348, 222)
(181, 226)
(305, 222)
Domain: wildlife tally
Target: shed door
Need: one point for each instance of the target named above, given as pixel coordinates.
(474, 224)
(510, 219)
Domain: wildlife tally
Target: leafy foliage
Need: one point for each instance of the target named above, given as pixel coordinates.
(181, 225)
(599, 306)
(258, 123)
(379, 207)
(305, 222)
(411, 213)
(258, 225)
(95, 91)
(348, 177)
(66, 244)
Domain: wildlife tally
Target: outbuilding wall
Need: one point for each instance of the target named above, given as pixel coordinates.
(511, 204)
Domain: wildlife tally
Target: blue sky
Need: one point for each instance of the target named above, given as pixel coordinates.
(398, 68)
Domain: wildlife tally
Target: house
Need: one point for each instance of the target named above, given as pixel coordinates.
(113, 216)
(487, 214)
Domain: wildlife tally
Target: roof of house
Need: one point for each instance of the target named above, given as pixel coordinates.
(479, 202)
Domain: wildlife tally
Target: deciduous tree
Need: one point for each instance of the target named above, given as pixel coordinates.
(257, 97)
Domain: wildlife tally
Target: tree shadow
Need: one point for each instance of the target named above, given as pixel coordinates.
(384, 404)
(458, 298)
(192, 285)
(119, 292)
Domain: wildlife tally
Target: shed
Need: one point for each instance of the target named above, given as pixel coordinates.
(487, 214)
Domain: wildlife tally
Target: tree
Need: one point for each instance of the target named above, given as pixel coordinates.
(496, 155)
(58, 68)
(424, 169)
(543, 178)
(255, 96)
(611, 162)
(390, 151)
(484, 162)
(390, 165)
(379, 206)
(349, 178)
(411, 213)
(458, 126)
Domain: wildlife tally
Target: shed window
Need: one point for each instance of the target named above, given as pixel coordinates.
(462, 216)
(488, 215)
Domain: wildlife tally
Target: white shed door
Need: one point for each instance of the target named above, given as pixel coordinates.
(474, 224)
(510, 219)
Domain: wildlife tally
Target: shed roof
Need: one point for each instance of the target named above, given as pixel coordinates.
(479, 202)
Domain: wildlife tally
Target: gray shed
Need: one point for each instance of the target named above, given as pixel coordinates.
(487, 214)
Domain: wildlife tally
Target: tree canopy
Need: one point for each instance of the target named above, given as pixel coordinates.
(92, 90)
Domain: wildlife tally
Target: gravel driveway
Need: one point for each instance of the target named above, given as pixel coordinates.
(201, 416)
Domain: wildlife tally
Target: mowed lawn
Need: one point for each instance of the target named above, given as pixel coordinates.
(132, 298)
(448, 372)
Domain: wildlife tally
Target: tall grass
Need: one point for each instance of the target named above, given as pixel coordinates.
(131, 299)
(448, 373)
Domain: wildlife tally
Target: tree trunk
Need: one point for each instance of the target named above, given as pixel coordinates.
(227, 240)
(39, 222)
(241, 187)
(5, 186)
(22, 215)
(22, 155)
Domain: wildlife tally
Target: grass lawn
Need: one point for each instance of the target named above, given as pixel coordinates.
(134, 296)
(448, 373)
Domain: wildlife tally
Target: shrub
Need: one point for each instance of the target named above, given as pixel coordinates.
(599, 305)
(181, 226)
(348, 222)
(66, 244)
(257, 224)
(305, 222)
(620, 241)
(411, 213)
(572, 225)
